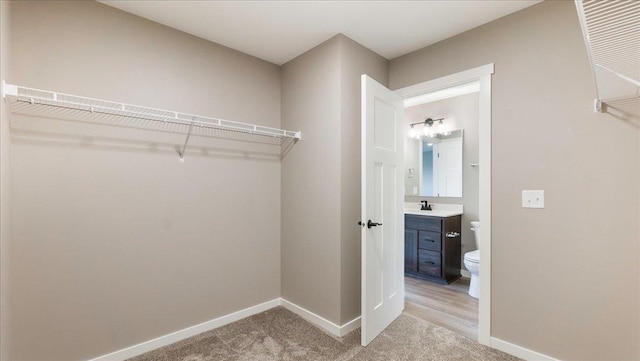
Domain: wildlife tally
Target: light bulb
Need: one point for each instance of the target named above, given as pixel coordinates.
(413, 133)
(446, 129)
(441, 128)
(426, 130)
(429, 131)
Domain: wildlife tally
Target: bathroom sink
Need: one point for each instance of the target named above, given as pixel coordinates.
(436, 213)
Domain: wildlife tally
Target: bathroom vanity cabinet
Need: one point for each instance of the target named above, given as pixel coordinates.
(432, 247)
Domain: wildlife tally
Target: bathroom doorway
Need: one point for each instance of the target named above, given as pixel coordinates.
(456, 185)
(441, 175)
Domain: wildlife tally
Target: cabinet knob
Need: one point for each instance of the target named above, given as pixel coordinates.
(453, 234)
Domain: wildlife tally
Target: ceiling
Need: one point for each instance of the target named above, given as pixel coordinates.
(278, 31)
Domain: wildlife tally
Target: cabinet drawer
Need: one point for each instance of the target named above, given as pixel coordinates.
(429, 263)
(430, 240)
(422, 223)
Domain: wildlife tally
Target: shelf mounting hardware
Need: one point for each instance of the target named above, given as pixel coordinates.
(186, 141)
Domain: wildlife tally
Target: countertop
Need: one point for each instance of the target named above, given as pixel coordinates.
(436, 213)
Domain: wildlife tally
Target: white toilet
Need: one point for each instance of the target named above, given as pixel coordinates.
(472, 263)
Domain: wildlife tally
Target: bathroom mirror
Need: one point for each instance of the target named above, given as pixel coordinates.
(433, 166)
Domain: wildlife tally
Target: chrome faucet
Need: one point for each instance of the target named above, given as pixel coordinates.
(425, 206)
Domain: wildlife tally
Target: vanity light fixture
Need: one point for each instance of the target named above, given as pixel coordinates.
(428, 128)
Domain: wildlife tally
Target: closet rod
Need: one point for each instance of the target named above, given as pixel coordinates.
(56, 99)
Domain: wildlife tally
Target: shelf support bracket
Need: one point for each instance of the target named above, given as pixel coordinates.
(186, 141)
(597, 106)
(621, 76)
(8, 89)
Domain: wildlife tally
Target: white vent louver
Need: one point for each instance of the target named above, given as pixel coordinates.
(612, 34)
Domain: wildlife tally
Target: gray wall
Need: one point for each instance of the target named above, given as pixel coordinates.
(311, 181)
(321, 179)
(5, 187)
(460, 112)
(355, 61)
(114, 242)
(565, 280)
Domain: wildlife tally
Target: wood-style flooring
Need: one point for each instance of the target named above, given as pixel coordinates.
(448, 306)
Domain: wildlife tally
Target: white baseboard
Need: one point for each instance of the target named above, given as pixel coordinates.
(165, 340)
(519, 351)
(350, 326)
(321, 322)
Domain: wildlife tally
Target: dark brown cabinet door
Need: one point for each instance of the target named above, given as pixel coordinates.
(432, 247)
(410, 250)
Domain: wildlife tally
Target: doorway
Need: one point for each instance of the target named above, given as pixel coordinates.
(441, 169)
(481, 75)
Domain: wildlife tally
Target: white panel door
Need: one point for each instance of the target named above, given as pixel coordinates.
(382, 208)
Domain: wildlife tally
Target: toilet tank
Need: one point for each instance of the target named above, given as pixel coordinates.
(475, 227)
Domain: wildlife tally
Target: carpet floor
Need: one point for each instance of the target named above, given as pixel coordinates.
(279, 334)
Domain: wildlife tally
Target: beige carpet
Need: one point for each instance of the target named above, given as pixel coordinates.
(279, 334)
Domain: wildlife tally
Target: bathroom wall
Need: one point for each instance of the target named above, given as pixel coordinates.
(5, 186)
(321, 179)
(411, 161)
(566, 278)
(114, 241)
(460, 112)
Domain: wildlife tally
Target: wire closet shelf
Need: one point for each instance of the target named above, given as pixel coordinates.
(611, 32)
(74, 102)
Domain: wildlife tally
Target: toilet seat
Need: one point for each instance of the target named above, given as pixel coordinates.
(473, 256)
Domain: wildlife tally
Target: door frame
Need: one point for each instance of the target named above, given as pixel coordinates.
(482, 74)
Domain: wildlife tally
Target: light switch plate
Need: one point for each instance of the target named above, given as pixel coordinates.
(533, 199)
